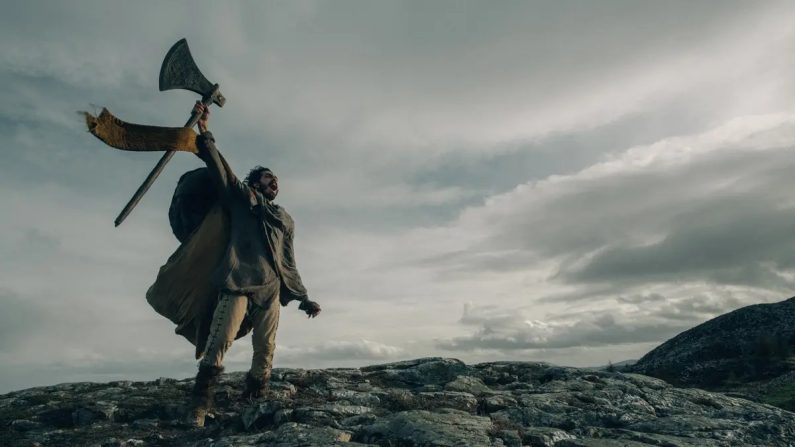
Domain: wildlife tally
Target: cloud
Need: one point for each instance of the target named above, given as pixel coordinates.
(649, 205)
(508, 329)
(742, 239)
(647, 320)
(341, 350)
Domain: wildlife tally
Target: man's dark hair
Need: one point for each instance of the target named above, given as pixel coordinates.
(255, 174)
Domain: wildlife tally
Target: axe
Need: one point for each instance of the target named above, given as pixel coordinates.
(178, 71)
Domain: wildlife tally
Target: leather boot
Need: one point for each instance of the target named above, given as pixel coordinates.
(202, 394)
(256, 387)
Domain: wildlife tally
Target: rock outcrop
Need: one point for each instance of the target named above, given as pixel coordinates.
(750, 344)
(425, 402)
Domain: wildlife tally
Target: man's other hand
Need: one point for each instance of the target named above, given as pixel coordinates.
(311, 308)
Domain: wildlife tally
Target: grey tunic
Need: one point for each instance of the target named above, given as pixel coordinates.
(259, 261)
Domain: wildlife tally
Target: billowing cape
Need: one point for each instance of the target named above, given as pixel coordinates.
(182, 291)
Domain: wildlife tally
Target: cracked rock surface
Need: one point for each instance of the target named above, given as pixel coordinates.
(423, 402)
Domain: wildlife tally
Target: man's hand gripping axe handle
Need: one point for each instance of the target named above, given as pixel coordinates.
(178, 71)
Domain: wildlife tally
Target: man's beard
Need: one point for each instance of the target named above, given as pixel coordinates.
(270, 194)
(267, 192)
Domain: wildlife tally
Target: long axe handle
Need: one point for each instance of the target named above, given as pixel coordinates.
(161, 164)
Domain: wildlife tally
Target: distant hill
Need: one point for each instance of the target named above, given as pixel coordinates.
(752, 344)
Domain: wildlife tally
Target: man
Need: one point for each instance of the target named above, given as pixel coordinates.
(256, 274)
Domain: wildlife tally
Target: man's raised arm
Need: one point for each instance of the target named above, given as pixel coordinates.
(224, 179)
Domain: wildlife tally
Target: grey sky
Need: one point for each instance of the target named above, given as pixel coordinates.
(564, 181)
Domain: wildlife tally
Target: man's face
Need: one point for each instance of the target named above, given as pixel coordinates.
(268, 185)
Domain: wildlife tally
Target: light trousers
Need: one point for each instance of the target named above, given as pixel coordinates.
(228, 315)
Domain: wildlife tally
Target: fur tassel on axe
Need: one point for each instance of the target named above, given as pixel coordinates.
(138, 137)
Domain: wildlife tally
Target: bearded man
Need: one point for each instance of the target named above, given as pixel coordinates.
(255, 276)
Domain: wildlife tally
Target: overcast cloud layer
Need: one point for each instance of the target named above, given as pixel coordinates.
(570, 182)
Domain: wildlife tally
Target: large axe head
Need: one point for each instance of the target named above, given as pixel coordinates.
(180, 71)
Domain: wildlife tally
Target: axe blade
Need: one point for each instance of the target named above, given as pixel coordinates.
(179, 71)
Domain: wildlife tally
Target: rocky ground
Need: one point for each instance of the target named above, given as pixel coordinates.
(425, 402)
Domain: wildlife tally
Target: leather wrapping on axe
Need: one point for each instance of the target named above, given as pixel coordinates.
(137, 137)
